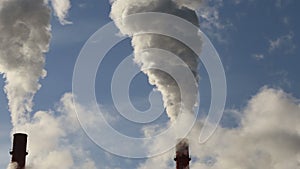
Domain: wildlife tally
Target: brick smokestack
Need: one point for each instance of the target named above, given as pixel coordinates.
(182, 154)
(19, 150)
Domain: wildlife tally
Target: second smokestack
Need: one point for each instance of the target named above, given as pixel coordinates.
(19, 150)
(182, 154)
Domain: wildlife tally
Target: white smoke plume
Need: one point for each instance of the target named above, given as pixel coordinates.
(268, 136)
(163, 81)
(24, 38)
(61, 9)
(54, 140)
(61, 146)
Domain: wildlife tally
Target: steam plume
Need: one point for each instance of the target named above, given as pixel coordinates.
(163, 81)
(268, 134)
(24, 37)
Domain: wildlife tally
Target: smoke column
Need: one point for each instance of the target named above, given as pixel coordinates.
(24, 38)
(163, 81)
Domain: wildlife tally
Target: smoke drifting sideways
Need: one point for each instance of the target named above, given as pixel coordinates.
(141, 42)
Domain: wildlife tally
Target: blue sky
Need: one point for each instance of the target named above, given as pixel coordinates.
(258, 42)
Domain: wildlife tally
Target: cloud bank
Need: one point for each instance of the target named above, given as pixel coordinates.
(56, 139)
(268, 136)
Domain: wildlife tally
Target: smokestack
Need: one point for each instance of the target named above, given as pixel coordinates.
(19, 150)
(182, 154)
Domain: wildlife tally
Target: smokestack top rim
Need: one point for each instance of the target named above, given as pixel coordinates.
(20, 134)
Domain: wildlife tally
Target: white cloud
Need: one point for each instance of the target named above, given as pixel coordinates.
(284, 43)
(210, 20)
(54, 140)
(61, 9)
(259, 56)
(268, 137)
(210, 14)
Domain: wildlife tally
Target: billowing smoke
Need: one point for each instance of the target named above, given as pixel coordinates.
(63, 146)
(267, 136)
(55, 141)
(24, 38)
(162, 80)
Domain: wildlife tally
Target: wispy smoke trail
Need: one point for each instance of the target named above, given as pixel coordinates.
(24, 38)
(163, 81)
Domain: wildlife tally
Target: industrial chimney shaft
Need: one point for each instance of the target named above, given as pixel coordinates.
(182, 154)
(19, 150)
